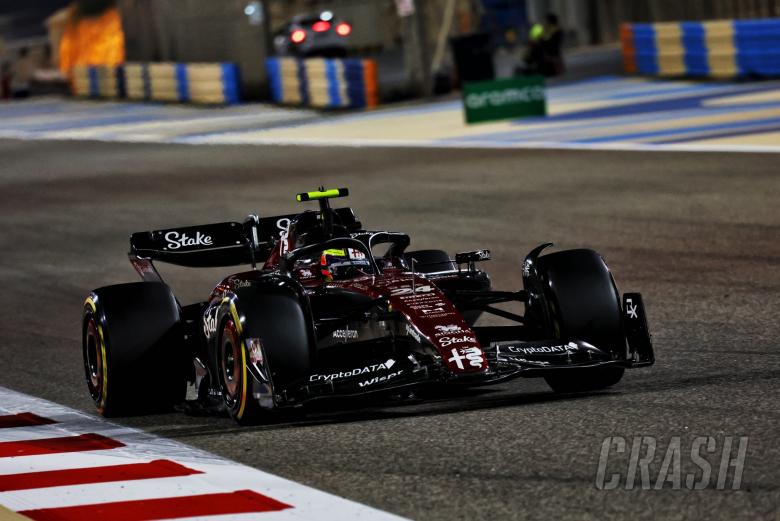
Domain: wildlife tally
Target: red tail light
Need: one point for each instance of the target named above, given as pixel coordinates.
(343, 29)
(320, 27)
(298, 36)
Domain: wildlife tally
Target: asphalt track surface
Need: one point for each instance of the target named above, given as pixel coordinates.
(697, 234)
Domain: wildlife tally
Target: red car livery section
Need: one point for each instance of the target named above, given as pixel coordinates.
(429, 314)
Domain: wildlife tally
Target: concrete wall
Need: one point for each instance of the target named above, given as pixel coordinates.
(218, 30)
(197, 31)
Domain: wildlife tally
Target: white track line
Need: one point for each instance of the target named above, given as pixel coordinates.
(218, 475)
(529, 145)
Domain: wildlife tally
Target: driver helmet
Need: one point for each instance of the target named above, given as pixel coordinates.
(342, 263)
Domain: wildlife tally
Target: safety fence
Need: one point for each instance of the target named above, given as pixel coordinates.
(323, 83)
(718, 49)
(210, 83)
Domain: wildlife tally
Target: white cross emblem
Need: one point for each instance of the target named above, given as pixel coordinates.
(457, 358)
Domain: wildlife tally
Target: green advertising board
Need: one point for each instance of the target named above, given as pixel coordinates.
(509, 98)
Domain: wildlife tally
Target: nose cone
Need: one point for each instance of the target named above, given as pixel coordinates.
(439, 322)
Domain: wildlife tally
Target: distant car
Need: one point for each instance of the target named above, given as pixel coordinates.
(339, 310)
(314, 35)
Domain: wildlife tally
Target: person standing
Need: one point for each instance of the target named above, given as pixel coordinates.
(551, 44)
(543, 55)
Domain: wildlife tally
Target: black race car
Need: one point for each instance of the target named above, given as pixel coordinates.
(328, 308)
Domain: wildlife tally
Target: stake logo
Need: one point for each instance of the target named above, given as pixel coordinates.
(209, 324)
(177, 240)
(447, 341)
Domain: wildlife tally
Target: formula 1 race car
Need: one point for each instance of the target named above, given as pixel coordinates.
(337, 310)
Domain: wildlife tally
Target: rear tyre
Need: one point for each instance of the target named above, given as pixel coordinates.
(584, 304)
(429, 261)
(134, 358)
(281, 324)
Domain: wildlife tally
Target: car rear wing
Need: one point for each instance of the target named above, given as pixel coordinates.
(213, 245)
(220, 244)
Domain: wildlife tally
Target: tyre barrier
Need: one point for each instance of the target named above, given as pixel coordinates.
(717, 49)
(84, 81)
(137, 86)
(208, 83)
(214, 83)
(165, 82)
(110, 82)
(323, 83)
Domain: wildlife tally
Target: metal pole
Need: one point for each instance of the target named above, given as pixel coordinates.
(444, 32)
(416, 55)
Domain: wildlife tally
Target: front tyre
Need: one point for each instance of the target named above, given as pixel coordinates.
(584, 304)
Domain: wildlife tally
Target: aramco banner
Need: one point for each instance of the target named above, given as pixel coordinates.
(510, 98)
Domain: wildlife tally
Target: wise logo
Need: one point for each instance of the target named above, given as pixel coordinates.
(508, 98)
